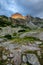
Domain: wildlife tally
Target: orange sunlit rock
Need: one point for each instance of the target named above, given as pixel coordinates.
(17, 15)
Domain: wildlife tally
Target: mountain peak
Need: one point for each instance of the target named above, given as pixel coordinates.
(17, 15)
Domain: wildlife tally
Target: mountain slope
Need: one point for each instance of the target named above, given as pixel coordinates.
(18, 19)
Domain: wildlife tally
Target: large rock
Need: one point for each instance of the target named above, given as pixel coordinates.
(32, 58)
(17, 57)
(24, 58)
(4, 57)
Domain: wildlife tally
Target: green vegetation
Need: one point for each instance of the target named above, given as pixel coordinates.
(32, 52)
(4, 21)
(25, 39)
(29, 63)
(8, 36)
(21, 31)
(14, 34)
(31, 38)
(0, 28)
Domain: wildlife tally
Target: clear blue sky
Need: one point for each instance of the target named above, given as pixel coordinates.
(31, 7)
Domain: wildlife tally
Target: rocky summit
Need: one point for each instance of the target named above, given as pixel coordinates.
(17, 15)
(21, 40)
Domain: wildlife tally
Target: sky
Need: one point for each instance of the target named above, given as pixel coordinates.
(25, 7)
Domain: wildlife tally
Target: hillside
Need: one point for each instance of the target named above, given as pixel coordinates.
(28, 21)
(21, 40)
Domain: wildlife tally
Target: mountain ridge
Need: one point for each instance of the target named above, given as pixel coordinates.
(18, 19)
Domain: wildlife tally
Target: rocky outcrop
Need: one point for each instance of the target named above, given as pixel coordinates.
(17, 15)
(31, 59)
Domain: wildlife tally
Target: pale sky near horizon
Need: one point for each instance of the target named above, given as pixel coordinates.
(25, 7)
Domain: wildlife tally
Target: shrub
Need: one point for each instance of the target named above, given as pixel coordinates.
(21, 31)
(8, 36)
(14, 34)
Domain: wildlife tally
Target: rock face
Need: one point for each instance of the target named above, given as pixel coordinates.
(17, 57)
(17, 15)
(31, 25)
(32, 59)
(24, 58)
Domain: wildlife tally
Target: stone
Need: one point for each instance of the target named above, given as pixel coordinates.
(17, 58)
(32, 58)
(4, 57)
(24, 59)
